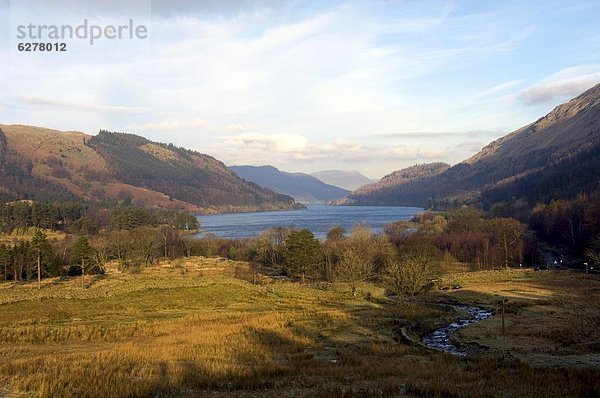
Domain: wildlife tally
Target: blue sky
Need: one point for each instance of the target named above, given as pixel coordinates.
(307, 85)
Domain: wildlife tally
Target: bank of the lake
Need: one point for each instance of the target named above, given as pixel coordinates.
(316, 217)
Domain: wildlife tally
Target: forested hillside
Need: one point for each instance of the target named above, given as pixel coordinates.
(556, 157)
(383, 192)
(51, 165)
(181, 173)
(17, 181)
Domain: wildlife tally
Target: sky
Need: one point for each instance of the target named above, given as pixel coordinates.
(372, 86)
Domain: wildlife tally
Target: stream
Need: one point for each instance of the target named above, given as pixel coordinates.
(440, 339)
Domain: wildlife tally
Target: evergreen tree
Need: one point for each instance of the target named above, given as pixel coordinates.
(302, 252)
(5, 260)
(43, 253)
(82, 253)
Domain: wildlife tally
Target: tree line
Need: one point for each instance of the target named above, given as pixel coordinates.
(130, 234)
(19, 216)
(572, 226)
(76, 217)
(405, 257)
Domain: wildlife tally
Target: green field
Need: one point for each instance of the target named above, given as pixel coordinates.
(199, 328)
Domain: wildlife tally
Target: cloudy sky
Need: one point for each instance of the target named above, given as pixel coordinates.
(305, 85)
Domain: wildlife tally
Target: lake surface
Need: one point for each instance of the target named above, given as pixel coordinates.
(318, 218)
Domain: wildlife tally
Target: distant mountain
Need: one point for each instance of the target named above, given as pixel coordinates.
(557, 156)
(44, 164)
(302, 187)
(347, 179)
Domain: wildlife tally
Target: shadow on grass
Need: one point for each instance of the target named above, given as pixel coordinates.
(344, 350)
(308, 362)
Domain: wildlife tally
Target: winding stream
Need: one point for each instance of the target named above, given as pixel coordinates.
(440, 339)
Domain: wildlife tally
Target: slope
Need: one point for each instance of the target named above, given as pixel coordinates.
(115, 165)
(303, 187)
(347, 179)
(557, 156)
(384, 191)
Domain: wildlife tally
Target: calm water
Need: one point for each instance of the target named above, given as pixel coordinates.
(317, 218)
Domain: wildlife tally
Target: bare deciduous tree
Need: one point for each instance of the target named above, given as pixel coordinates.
(102, 252)
(593, 250)
(508, 234)
(271, 246)
(354, 268)
(408, 276)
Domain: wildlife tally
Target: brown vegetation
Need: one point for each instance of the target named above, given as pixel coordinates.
(96, 168)
(555, 157)
(190, 328)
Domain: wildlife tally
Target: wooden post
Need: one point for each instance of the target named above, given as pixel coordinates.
(39, 269)
(503, 330)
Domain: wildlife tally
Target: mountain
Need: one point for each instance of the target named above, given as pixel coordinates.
(557, 156)
(347, 179)
(379, 193)
(45, 164)
(303, 187)
(18, 182)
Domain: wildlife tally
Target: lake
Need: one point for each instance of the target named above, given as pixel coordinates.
(318, 218)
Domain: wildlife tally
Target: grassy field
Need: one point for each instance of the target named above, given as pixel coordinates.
(552, 318)
(199, 328)
(15, 237)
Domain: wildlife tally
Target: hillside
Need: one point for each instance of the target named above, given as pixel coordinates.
(378, 193)
(18, 179)
(555, 157)
(347, 179)
(393, 183)
(302, 187)
(48, 164)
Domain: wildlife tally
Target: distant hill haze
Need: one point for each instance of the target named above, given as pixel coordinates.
(347, 179)
(45, 164)
(302, 187)
(557, 156)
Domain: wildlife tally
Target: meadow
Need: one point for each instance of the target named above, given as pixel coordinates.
(201, 327)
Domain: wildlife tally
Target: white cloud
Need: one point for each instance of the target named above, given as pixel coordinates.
(281, 143)
(565, 84)
(287, 83)
(283, 148)
(237, 127)
(498, 88)
(169, 125)
(84, 104)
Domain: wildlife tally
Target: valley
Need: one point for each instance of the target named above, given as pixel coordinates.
(191, 212)
(200, 327)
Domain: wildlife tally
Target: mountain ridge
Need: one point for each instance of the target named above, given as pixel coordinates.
(346, 179)
(302, 187)
(516, 166)
(118, 165)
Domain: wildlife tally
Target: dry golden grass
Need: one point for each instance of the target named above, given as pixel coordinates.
(40, 143)
(190, 328)
(16, 237)
(544, 315)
